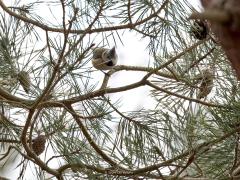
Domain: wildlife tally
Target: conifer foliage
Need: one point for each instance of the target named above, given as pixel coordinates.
(60, 115)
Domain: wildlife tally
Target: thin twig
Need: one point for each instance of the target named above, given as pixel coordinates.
(183, 97)
(90, 140)
(174, 58)
(90, 31)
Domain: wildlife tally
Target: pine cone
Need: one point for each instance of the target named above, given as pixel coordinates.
(206, 84)
(24, 80)
(38, 144)
(199, 30)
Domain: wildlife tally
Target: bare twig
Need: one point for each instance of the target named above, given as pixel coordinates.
(89, 31)
(174, 58)
(91, 141)
(183, 97)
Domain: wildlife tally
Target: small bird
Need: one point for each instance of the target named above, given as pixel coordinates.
(104, 59)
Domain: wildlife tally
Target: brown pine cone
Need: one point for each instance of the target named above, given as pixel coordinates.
(199, 29)
(24, 80)
(206, 84)
(38, 144)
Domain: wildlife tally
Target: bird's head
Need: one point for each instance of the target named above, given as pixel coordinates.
(110, 54)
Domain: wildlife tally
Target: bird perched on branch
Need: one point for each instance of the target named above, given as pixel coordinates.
(104, 59)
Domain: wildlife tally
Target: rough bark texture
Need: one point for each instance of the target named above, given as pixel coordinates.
(228, 33)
